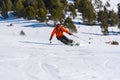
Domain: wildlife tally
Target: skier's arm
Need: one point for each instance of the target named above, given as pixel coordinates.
(52, 34)
(67, 31)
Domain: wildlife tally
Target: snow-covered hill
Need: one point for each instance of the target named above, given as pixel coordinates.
(113, 4)
(32, 57)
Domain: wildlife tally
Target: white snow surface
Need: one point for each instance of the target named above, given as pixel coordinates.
(32, 57)
(113, 4)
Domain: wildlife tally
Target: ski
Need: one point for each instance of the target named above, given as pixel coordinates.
(74, 44)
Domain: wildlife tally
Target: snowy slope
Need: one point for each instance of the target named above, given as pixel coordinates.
(32, 57)
(113, 4)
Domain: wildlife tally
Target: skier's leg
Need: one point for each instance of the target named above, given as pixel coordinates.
(68, 40)
(65, 40)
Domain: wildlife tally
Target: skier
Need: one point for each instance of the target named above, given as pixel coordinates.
(59, 30)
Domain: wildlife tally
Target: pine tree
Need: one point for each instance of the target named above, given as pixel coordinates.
(30, 13)
(98, 4)
(40, 4)
(41, 15)
(107, 4)
(76, 3)
(7, 3)
(0, 9)
(49, 4)
(6, 6)
(82, 5)
(103, 18)
(64, 4)
(69, 24)
(119, 26)
(32, 3)
(113, 18)
(72, 9)
(42, 12)
(87, 10)
(119, 10)
(0, 2)
(57, 10)
(90, 15)
(106, 11)
(4, 10)
(100, 16)
(57, 15)
(104, 27)
(0, 5)
(119, 15)
(18, 8)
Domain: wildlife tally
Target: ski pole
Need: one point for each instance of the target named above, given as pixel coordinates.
(75, 36)
(80, 38)
(50, 41)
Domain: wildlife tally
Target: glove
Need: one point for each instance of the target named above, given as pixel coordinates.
(70, 33)
(50, 38)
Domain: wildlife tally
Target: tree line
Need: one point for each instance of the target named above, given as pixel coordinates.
(45, 10)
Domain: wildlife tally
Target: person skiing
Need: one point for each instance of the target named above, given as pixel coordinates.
(59, 30)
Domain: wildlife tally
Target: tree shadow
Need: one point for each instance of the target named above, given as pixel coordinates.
(115, 33)
(83, 23)
(92, 33)
(30, 42)
(36, 25)
(24, 22)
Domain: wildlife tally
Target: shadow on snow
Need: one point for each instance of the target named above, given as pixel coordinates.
(36, 25)
(82, 23)
(110, 33)
(30, 42)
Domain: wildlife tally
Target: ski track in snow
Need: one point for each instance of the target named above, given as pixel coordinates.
(32, 57)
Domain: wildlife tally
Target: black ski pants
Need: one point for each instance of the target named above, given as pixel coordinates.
(65, 40)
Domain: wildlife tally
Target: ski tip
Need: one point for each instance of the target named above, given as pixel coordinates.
(74, 44)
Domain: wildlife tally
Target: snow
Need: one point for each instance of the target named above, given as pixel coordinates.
(113, 4)
(32, 57)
